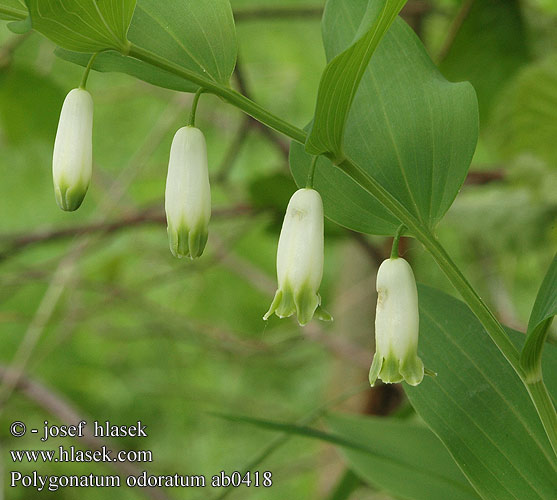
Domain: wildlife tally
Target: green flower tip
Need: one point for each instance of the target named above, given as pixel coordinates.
(392, 370)
(305, 304)
(69, 199)
(186, 243)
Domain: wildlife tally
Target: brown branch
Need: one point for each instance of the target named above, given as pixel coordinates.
(258, 13)
(454, 29)
(7, 50)
(411, 9)
(64, 411)
(234, 150)
(281, 145)
(479, 177)
(150, 216)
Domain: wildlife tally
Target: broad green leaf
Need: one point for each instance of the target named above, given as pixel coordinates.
(478, 406)
(84, 25)
(407, 461)
(525, 119)
(416, 465)
(542, 315)
(13, 10)
(489, 48)
(342, 76)
(198, 36)
(409, 128)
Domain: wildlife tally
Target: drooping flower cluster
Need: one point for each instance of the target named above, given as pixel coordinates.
(300, 252)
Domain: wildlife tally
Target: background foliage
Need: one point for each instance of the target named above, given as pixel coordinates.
(135, 334)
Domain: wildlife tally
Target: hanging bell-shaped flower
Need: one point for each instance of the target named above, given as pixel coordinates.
(188, 194)
(396, 325)
(300, 259)
(73, 159)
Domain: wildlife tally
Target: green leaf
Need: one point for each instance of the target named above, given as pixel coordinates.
(13, 10)
(409, 128)
(84, 25)
(342, 76)
(542, 315)
(478, 406)
(418, 466)
(489, 48)
(405, 460)
(198, 36)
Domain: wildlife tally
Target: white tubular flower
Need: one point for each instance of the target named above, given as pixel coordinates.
(188, 194)
(396, 325)
(73, 157)
(300, 259)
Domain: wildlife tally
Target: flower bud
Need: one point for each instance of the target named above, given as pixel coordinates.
(188, 194)
(300, 259)
(396, 325)
(72, 160)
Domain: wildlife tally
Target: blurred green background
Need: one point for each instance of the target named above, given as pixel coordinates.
(104, 322)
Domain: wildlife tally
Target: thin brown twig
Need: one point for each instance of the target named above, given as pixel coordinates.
(243, 87)
(259, 13)
(414, 8)
(148, 216)
(234, 150)
(7, 50)
(454, 28)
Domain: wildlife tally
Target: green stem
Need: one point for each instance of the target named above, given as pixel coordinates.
(396, 241)
(544, 406)
(194, 106)
(83, 83)
(235, 98)
(415, 226)
(311, 172)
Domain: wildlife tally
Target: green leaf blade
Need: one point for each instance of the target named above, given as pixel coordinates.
(421, 468)
(197, 36)
(478, 406)
(342, 77)
(13, 10)
(408, 128)
(85, 25)
(406, 460)
(545, 308)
